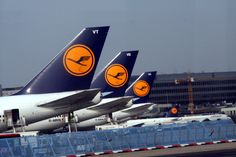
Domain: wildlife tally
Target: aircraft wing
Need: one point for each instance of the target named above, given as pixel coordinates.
(138, 108)
(113, 104)
(77, 97)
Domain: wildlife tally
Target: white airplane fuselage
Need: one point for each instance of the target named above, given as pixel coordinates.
(172, 120)
(138, 110)
(31, 107)
(80, 115)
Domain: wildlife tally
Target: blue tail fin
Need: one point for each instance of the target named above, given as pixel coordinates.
(73, 68)
(141, 87)
(114, 78)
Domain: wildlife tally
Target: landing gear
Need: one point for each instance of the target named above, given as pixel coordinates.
(72, 122)
(111, 120)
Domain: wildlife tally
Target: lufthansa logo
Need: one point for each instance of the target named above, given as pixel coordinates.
(141, 88)
(174, 110)
(79, 60)
(116, 75)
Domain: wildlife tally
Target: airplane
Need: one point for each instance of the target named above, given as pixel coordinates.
(61, 87)
(140, 90)
(113, 99)
(174, 120)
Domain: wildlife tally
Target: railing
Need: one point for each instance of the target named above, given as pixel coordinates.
(117, 139)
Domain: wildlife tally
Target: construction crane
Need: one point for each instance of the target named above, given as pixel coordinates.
(189, 80)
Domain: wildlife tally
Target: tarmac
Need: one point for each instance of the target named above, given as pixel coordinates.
(219, 150)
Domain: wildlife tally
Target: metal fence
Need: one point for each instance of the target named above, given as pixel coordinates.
(117, 139)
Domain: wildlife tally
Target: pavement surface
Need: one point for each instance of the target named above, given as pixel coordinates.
(213, 150)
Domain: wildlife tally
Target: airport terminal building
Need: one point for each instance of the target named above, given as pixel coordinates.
(207, 88)
(8, 91)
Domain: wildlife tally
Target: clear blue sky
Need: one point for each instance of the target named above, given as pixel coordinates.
(173, 36)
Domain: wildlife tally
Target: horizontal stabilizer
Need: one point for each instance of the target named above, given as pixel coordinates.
(137, 125)
(138, 107)
(79, 97)
(112, 104)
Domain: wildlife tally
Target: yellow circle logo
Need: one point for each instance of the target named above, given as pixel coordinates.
(116, 75)
(174, 110)
(141, 88)
(79, 60)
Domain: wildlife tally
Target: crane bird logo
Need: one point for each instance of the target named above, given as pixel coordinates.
(141, 88)
(79, 60)
(119, 74)
(174, 110)
(116, 75)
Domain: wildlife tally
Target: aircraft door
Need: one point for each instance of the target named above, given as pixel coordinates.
(12, 117)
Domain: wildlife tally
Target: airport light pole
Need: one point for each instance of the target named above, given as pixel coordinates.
(0, 90)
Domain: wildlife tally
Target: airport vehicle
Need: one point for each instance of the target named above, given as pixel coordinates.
(61, 87)
(112, 80)
(140, 90)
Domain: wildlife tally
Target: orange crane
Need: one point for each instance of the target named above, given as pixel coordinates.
(189, 80)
